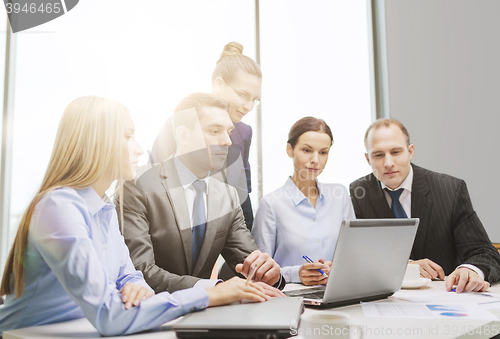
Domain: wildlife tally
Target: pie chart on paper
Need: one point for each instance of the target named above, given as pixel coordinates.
(454, 314)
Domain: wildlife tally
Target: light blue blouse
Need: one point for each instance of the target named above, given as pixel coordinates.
(287, 226)
(76, 263)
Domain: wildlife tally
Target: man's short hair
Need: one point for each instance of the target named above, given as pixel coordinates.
(184, 113)
(387, 123)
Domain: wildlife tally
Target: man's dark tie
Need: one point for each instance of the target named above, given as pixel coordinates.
(199, 219)
(396, 206)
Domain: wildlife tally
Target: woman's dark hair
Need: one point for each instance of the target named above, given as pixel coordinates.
(305, 125)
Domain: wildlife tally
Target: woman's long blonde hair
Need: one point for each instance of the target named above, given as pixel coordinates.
(87, 146)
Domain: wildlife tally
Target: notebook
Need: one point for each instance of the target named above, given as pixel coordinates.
(275, 318)
(369, 262)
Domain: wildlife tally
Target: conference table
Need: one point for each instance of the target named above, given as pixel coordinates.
(372, 327)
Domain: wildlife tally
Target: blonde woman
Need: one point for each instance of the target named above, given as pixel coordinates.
(69, 259)
(237, 79)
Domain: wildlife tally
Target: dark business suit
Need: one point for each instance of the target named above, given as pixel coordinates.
(157, 229)
(238, 167)
(450, 232)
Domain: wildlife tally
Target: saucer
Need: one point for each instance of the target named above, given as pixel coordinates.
(416, 283)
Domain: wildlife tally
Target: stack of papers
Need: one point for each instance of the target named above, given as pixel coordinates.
(443, 297)
(442, 304)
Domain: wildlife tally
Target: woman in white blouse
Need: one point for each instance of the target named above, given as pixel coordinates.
(303, 217)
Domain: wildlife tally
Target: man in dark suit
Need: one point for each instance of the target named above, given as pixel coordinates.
(450, 239)
(178, 218)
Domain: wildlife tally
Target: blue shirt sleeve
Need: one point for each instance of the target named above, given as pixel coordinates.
(127, 273)
(264, 228)
(265, 233)
(61, 229)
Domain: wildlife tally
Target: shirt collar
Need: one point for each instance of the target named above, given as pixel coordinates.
(297, 195)
(186, 176)
(320, 189)
(406, 184)
(94, 202)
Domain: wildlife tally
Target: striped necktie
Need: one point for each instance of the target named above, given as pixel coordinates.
(199, 219)
(396, 206)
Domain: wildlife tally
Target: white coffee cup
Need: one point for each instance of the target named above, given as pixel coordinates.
(327, 324)
(412, 273)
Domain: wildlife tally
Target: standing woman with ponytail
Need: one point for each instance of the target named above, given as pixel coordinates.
(69, 259)
(236, 79)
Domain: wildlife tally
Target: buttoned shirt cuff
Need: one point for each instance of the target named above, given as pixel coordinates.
(207, 283)
(291, 273)
(191, 299)
(474, 268)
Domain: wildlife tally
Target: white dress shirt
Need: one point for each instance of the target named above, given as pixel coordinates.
(288, 226)
(405, 197)
(405, 200)
(187, 178)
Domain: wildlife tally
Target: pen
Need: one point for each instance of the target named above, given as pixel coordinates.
(253, 269)
(306, 258)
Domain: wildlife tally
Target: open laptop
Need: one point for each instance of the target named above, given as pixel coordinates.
(369, 262)
(275, 318)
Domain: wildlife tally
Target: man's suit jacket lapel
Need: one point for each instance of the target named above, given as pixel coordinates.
(177, 198)
(421, 206)
(213, 219)
(377, 199)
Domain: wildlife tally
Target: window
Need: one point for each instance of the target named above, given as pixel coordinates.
(147, 56)
(315, 62)
(150, 54)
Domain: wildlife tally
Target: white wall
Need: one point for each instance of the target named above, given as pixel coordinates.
(444, 85)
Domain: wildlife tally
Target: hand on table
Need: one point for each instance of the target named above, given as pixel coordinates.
(270, 291)
(235, 289)
(309, 274)
(429, 269)
(133, 294)
(268, 270)
(466, 280)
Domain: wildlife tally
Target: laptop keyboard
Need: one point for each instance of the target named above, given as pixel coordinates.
(310, 293)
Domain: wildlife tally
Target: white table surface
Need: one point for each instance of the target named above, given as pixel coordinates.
(374, 327)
